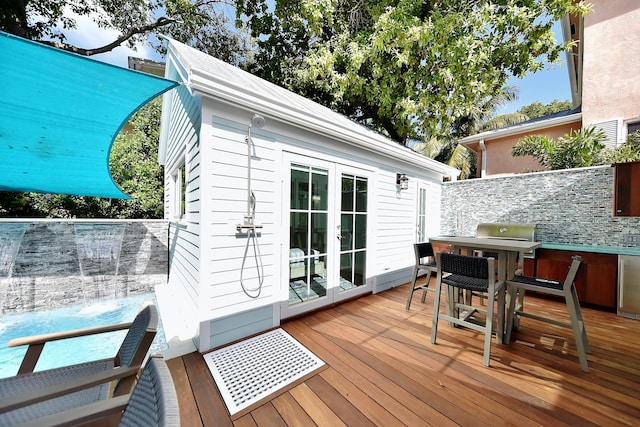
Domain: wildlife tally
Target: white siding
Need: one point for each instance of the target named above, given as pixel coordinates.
(225, 205)
(612, 131)
(209, 127)
(184, 235)
(396, 225)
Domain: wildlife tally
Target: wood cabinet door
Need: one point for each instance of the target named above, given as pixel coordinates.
(626, 189)
(597, 279)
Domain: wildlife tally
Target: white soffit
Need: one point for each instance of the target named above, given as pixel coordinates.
(229, 84)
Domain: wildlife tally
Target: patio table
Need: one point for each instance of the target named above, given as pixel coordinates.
(507, 250)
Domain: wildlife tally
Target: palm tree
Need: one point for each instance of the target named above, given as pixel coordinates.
(448, 151)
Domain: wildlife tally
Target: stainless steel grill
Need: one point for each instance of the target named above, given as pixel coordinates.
(505, 230)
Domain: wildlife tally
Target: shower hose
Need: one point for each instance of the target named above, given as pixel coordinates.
(252, 235)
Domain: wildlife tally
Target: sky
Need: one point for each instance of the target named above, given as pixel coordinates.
(89, 35)
(544, 86)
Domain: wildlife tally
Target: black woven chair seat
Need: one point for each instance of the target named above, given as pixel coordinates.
(551, 284)
(465, 282)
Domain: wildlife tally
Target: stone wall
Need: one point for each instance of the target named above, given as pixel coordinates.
(52, 263)
(570, 206)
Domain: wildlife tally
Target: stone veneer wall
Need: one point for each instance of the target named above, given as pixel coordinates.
(572, 206)
(52, 263)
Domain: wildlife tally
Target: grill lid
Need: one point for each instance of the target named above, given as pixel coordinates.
(505, 230)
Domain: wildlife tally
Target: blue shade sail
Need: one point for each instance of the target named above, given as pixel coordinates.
(59, 116)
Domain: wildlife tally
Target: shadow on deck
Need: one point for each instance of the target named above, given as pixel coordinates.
(383, 370)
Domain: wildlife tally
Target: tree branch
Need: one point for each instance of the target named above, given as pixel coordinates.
(161, 22)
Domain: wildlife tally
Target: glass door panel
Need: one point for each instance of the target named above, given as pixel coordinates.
(308, 224)
(422, 215)
(353, 232)
(325, 260)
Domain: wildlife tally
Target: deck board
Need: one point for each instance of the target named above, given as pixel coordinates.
(383, 370)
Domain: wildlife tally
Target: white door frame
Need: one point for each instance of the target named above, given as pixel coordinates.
(335, 172)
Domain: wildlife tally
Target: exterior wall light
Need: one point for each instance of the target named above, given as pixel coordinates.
(402, 181)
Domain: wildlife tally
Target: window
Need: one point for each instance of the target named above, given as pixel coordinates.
(178, 192)
(633, 127)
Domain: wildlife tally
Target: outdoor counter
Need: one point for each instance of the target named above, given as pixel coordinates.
(614, 250)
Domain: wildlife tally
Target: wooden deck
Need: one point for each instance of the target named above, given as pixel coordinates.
(383, 370)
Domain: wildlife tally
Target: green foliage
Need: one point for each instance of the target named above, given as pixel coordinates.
(450, 153)
(502, 121)
(134, 164)
(538, 109)
(573, 150)
(410, 69)
(198, 23)
(18, 205)
(627, 152)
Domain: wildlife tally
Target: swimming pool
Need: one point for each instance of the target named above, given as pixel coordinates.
(76, 350)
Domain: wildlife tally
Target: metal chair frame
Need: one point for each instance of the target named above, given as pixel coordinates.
(567, 290)
(422, 250)
(461, 272)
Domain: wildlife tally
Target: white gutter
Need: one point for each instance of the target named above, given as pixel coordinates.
(571, 65)
(521, 128)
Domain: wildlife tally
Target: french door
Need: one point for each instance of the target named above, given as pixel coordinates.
(326, 208)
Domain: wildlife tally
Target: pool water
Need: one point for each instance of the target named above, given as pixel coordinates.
(75, 350)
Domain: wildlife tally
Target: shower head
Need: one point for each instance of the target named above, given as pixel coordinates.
(257, 121)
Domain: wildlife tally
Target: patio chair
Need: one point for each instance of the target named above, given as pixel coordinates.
(153, 402)
(425, 260)
(23, 396)
(468, 273)
(567, 290)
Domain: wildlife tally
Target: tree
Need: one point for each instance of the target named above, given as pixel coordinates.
(18, 205)
(200, 23)
(538, 109)
(573, 150)
(449, 152)
(134, 164)
(412, 69)
(627, 152)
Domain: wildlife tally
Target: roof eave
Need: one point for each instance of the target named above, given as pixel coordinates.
(516, 129)
(221, 90)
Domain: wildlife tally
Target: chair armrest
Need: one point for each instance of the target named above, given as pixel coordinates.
(54, 336)
(36, 342)
(83, 414)
(73, 385)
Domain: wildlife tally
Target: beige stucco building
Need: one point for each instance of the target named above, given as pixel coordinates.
(604, 81)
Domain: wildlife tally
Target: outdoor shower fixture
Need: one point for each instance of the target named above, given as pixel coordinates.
(249, 225)
(258, 122)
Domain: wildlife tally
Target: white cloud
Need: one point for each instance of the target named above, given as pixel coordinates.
(89, 36)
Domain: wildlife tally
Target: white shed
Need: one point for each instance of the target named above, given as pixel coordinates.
(278, 205)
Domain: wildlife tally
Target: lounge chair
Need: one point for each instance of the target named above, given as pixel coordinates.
(24, 396)
(153, 402)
